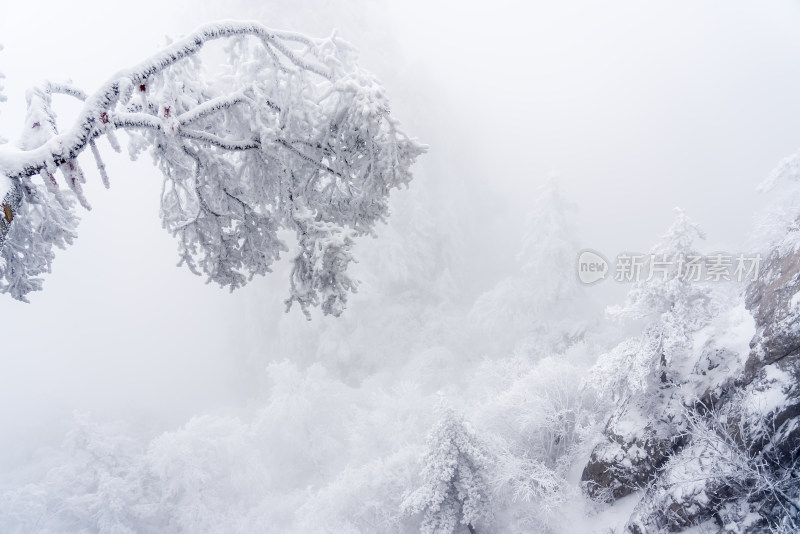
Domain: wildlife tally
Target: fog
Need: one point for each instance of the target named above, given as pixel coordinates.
(635, 107)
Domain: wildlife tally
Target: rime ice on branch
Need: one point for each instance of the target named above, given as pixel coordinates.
(294, 135)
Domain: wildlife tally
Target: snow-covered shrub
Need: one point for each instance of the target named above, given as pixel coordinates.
(536, 421)
(722, 472)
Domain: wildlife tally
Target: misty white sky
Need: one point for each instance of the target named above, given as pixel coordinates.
(637, 106)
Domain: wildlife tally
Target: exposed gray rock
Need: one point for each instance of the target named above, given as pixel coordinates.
(771, 300)
(636, 445)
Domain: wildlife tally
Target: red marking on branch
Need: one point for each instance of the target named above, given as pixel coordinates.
(104, 117)
(143, 88)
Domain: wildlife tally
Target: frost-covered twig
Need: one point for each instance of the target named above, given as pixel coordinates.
(722, 454)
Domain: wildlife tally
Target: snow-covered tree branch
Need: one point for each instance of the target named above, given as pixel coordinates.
(292, 136)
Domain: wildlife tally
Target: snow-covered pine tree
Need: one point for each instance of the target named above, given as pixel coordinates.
(455, 489)
(641, 377)
(672, 302)
(293, 136)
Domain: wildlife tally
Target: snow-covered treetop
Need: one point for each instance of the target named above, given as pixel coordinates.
(293, 136)
(777, 225)
(787, 170)
(549, 244)
(673, 289)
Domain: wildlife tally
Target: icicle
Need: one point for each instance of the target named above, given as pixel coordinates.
(49, 180)
(108, 129)
(100, 165)
(51, 185)
(112, 140)
(75, 180)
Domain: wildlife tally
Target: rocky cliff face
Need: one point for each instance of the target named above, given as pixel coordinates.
(720, 445)
(636, 446)
(772, 373)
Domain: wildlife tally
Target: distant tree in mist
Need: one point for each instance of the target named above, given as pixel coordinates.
(293, 136)
(540, 300)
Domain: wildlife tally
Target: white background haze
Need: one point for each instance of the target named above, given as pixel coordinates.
(636, 107)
